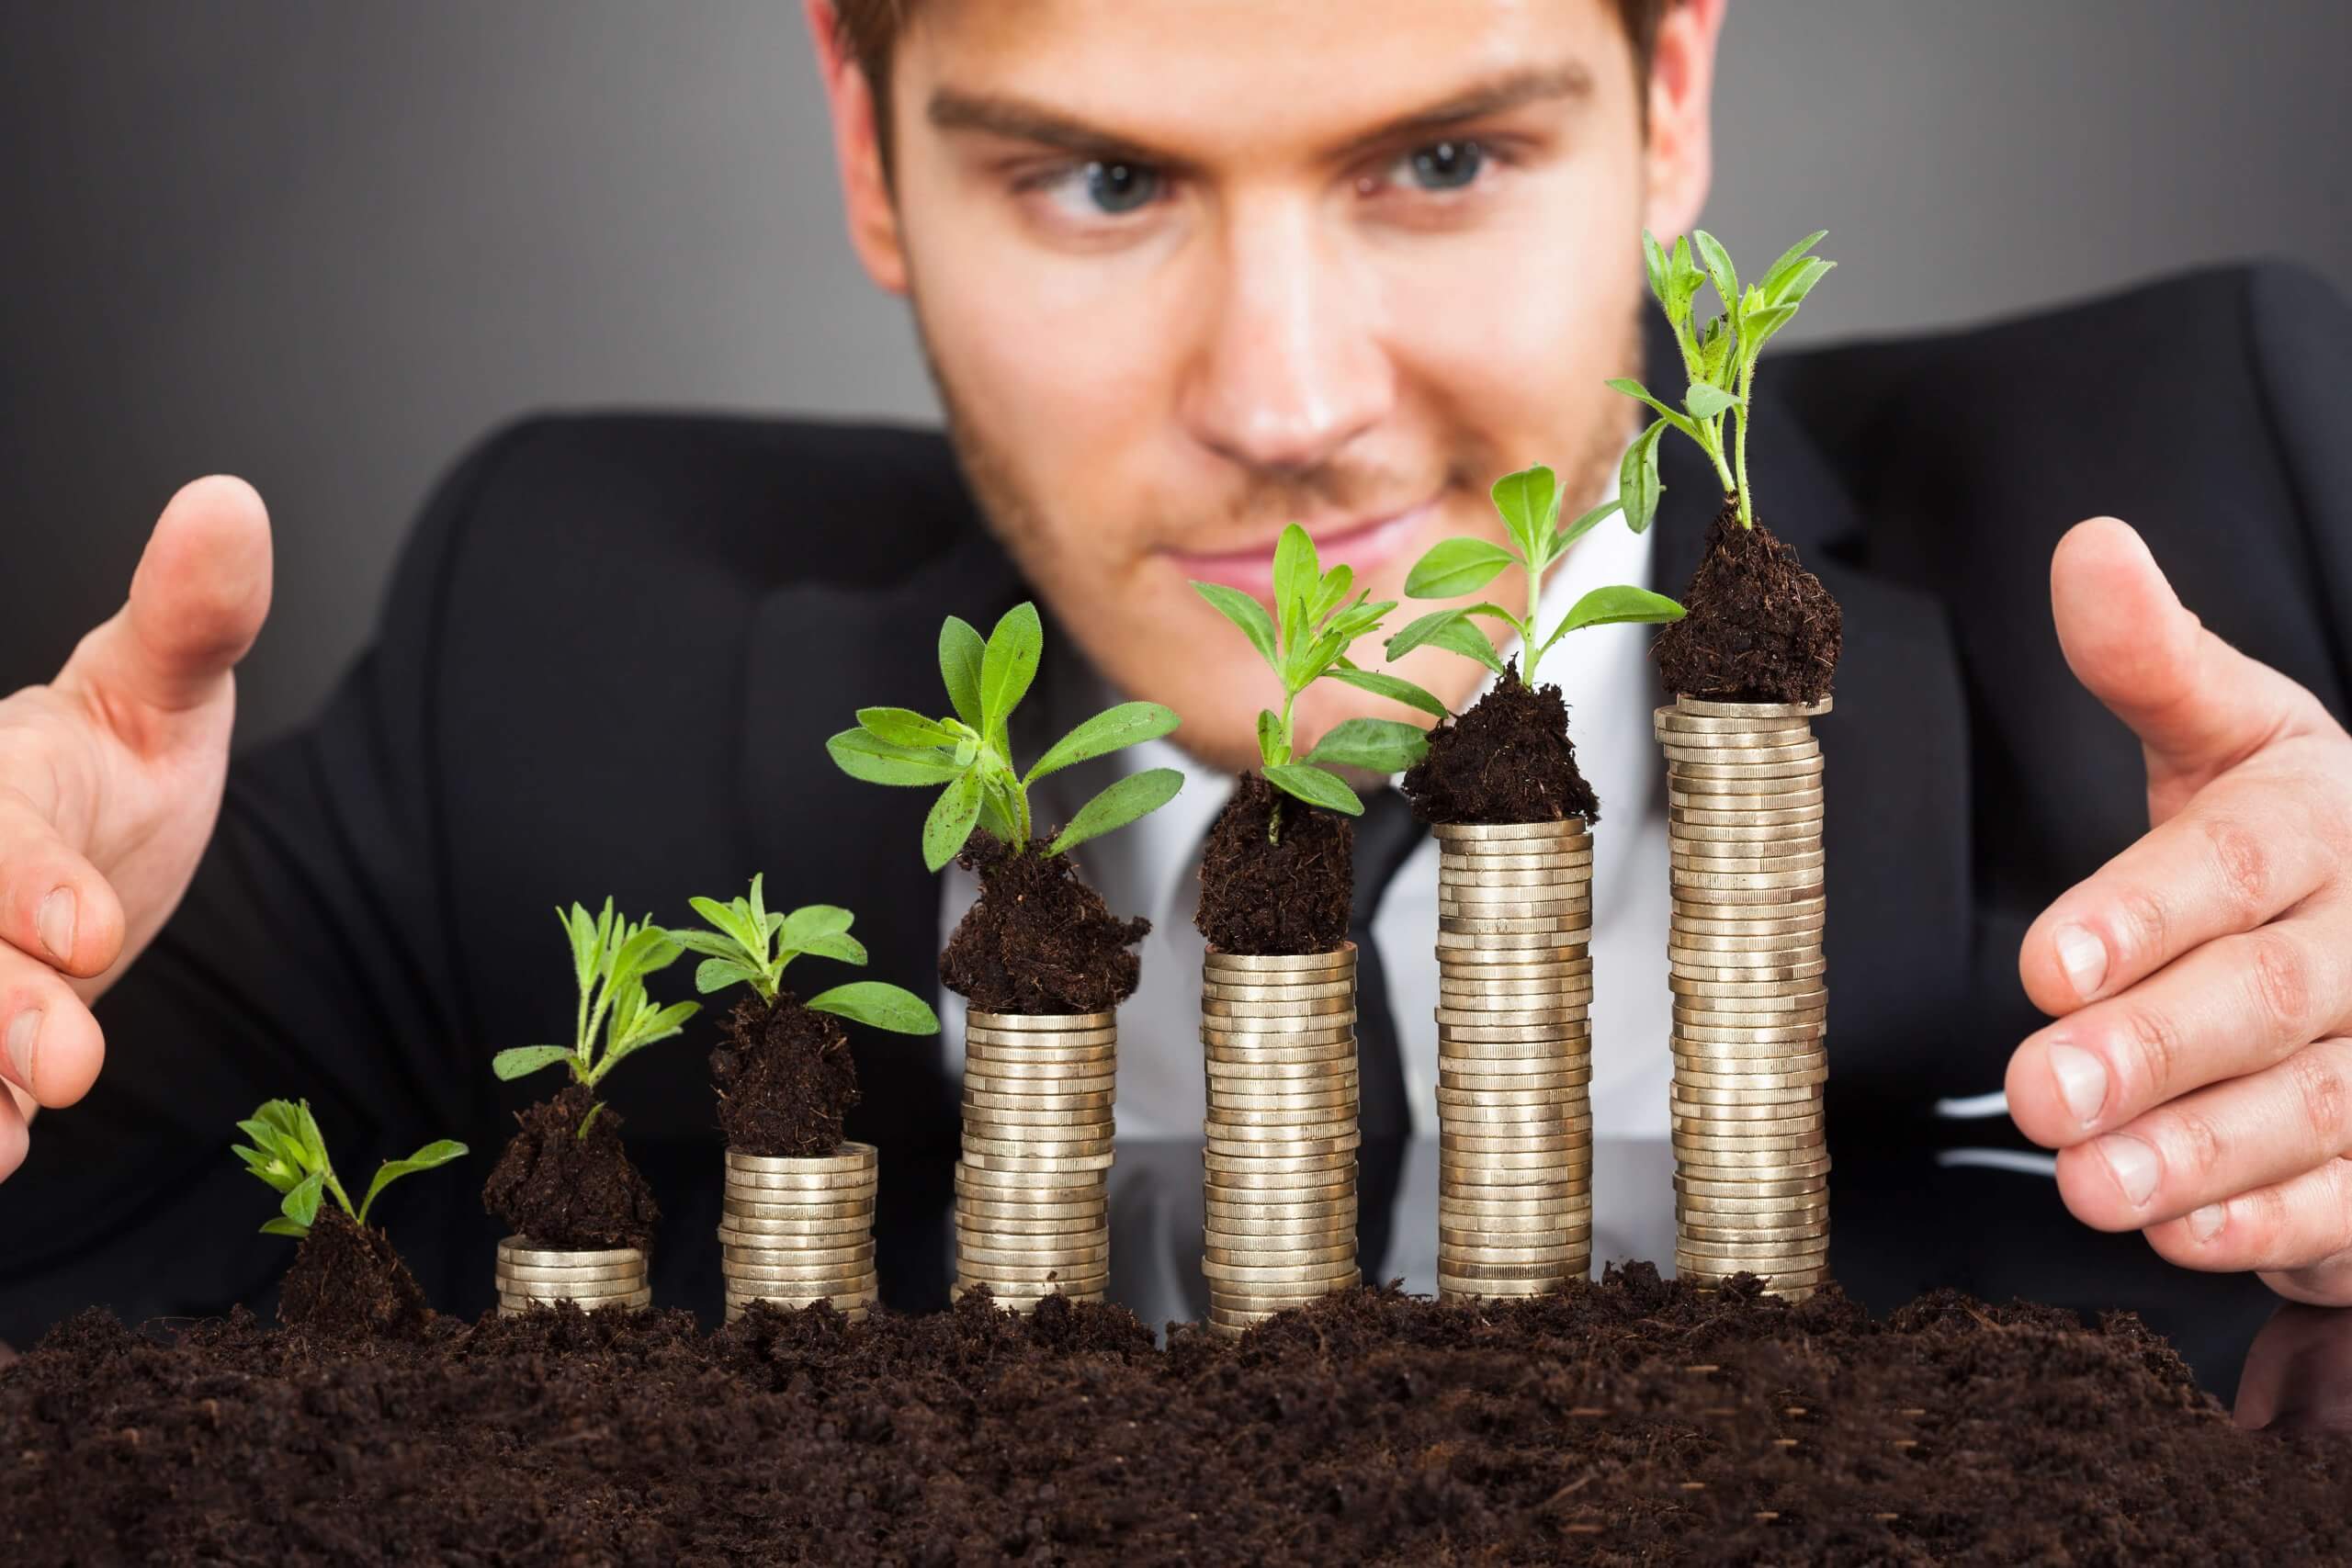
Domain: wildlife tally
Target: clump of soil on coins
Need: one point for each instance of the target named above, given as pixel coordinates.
(1506, 759)
(1760, 629)
(786, 1079)
(1270, 888)
(1038, 939)
(561, 1189)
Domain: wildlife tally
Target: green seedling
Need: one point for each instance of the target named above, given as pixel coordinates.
(1530, 504)
(749, 945)
(1720, 360)
(289, 1153)
(1305, 640)
(611, 959)
(971, 752)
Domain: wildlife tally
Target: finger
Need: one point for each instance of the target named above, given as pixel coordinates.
(2235, 1006)
(2250, 846)
(2298, 1230)
(197, 603)
(14, 1139)
(2197, 705)
(50, 1045)
(54, 905)
(2207, 1146)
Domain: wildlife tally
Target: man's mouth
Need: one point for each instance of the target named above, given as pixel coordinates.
(1363, 544)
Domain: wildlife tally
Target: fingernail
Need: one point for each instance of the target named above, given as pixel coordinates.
(23, 1030)
(2133, 1165)
(2082, 1080)
(2083, 957)
(2205, 1223)
(55, 921)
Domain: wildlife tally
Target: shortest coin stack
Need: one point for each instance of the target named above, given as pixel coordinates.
(531, 1275)
(794, 1231)
(1033, 1185)
(1279, 1038)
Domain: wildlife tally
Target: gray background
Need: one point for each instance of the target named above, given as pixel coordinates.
(325, 246)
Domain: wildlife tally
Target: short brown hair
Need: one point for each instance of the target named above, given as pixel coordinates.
(869, 28)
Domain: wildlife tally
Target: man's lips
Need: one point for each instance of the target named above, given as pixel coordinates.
(1362, 546)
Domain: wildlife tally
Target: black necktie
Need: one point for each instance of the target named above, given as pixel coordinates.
(1387, 835)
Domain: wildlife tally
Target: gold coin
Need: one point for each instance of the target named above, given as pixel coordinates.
(1342, 1252)
(1790, 1187)
(1021, 1290)
(1779, 972)
(1344, 1143)
(1509, 1017)
(1723, 1174)
(1556, 1231)
(1803, 1031)
(1279, 1045)
(1489, 832)
(1484, 1272)
(1685, 764)
(1473, 996)
(848, 1157)
(1044, 1023)
(1037, 1165)
(1277, 1171)
(1100, 1058)
(1341, 958)
(1330, 1067)
(1782, 1234)
(1475, 1290)
(1801, 1077)
(1537, 947)
(1568, 1119)
(1784, 792)
(989, 1249)
(1312, 990)
(1743, 1012)
(1715, 708)
(1576, 864)
(522, 1249)
(628, 1303)
(609, 1279)
(1037, 1146)
(792, 1224)
(1750, 904)
(1719, 1114)
(1768, 1211)
(1571, 969)
(809, 1257)
(1262, 1299)
(1497, 1089)
(1475, 1181)
(990, 1099)
(1718, 813)
(1573, 1215)
(1001, 1076)
(1316, 1006)
(1683, 860)
(1726, 750)
(1670, 721)
(1535, 1164)
(1017, 1040)
(1510, 887)
(1565, 1045)
(1329, 1219)
(771, 1240)
(1771, 1258)
(1299, 1197)
(979, 1178)
(1331, 1120)
(990, 1121)
(997, 1225)
(1805, 1154)
(1760, 995)
(1033, 1216)
(1251, 1208)
(1700, 1144)
(1243, 1274)
(1469, 1144)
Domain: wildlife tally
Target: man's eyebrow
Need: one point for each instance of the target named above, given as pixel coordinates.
(1497, 96)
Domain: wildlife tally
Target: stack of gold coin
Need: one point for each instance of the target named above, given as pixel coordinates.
(588, 1277)
(795, 1230)
(1032, 1188)
(1744, 793)
(1514, 1061)
(1279, 1035)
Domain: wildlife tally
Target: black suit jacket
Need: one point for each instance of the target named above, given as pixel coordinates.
(616, 644)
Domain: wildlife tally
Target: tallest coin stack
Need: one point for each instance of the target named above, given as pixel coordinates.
(1751, 1179)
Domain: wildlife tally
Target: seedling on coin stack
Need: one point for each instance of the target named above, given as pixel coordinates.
(1751, 667)
(1278, 982)
(1039, 959)
(348, 1279)
(583, 1216)
(1511, 813)
(799, 1211)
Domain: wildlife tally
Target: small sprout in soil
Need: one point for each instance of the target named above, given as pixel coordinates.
(291, 1155)
(1305, 640)
(610, 959)
(747, 943)
(1720, 360)
(971, 752)
(1530, 504)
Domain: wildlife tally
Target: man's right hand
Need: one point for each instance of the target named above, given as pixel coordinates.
(110, 781)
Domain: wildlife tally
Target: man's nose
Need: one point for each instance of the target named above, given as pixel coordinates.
(1291, 368)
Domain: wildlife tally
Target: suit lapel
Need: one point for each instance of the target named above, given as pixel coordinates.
(1896, 819)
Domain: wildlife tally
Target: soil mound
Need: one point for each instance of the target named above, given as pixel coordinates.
(785, 1079)
(349, 1282)
(1760, 627)
(1288, 897)
(561, 1190)
(1632, 1421)
(1038, 939)
(1507, 758)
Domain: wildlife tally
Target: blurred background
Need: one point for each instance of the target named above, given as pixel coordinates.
(325, 246)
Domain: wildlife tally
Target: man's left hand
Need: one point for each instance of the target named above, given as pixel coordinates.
(2198, 1081)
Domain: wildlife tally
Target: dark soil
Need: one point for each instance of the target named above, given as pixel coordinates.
(785, 1079)
(349, 1282)
(1760, 627)
(561, 1190)
(1632, 1421)
(1506, 759)
(1288, 897)
(1038, 939)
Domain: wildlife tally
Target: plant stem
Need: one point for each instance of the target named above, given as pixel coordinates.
(1739, 438)
(1528, 652)
(334, 1185)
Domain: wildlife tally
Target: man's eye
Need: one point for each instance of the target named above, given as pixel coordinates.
(1441, 166)
(1104, 188)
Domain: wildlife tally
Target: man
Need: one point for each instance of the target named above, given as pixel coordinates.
(1187, 270)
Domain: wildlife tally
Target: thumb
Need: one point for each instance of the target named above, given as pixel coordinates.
(2198, 705)
(197, 603)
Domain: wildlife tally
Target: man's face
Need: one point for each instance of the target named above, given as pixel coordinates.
(1190, 270)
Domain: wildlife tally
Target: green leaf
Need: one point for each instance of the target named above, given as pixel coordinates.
(1009, 664)
(1380, 745)
(302, 1203)
(1467, 640)
(732, 923)
(432, 1155)
(1584, 524)
(519, 1060)
(1638, 485)
(863, 756)
(1419, 631)
(1137, 795)
(950, 822)
(1316, 787)
(1271, 748)
(1683, 277)
(1113, 729)
(1788, 261)
(882, 1005)
(905, 728)
(1297, 573)
(815, 920)
(839, 946)
(1755, 328)
(1455, 567)
(1654, 263)
(587, 953)
(1246, 612)
(717, 974)
(1331, 592)
(1526, 501)
(1719, 267)
(1714, 352)
(1800, 283)
(1394, 687)
(710, 944)
(1666, 411)
(278, 1224)
(1622, 602)
(1705, 402)
(589, 1120)
(960, 653)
